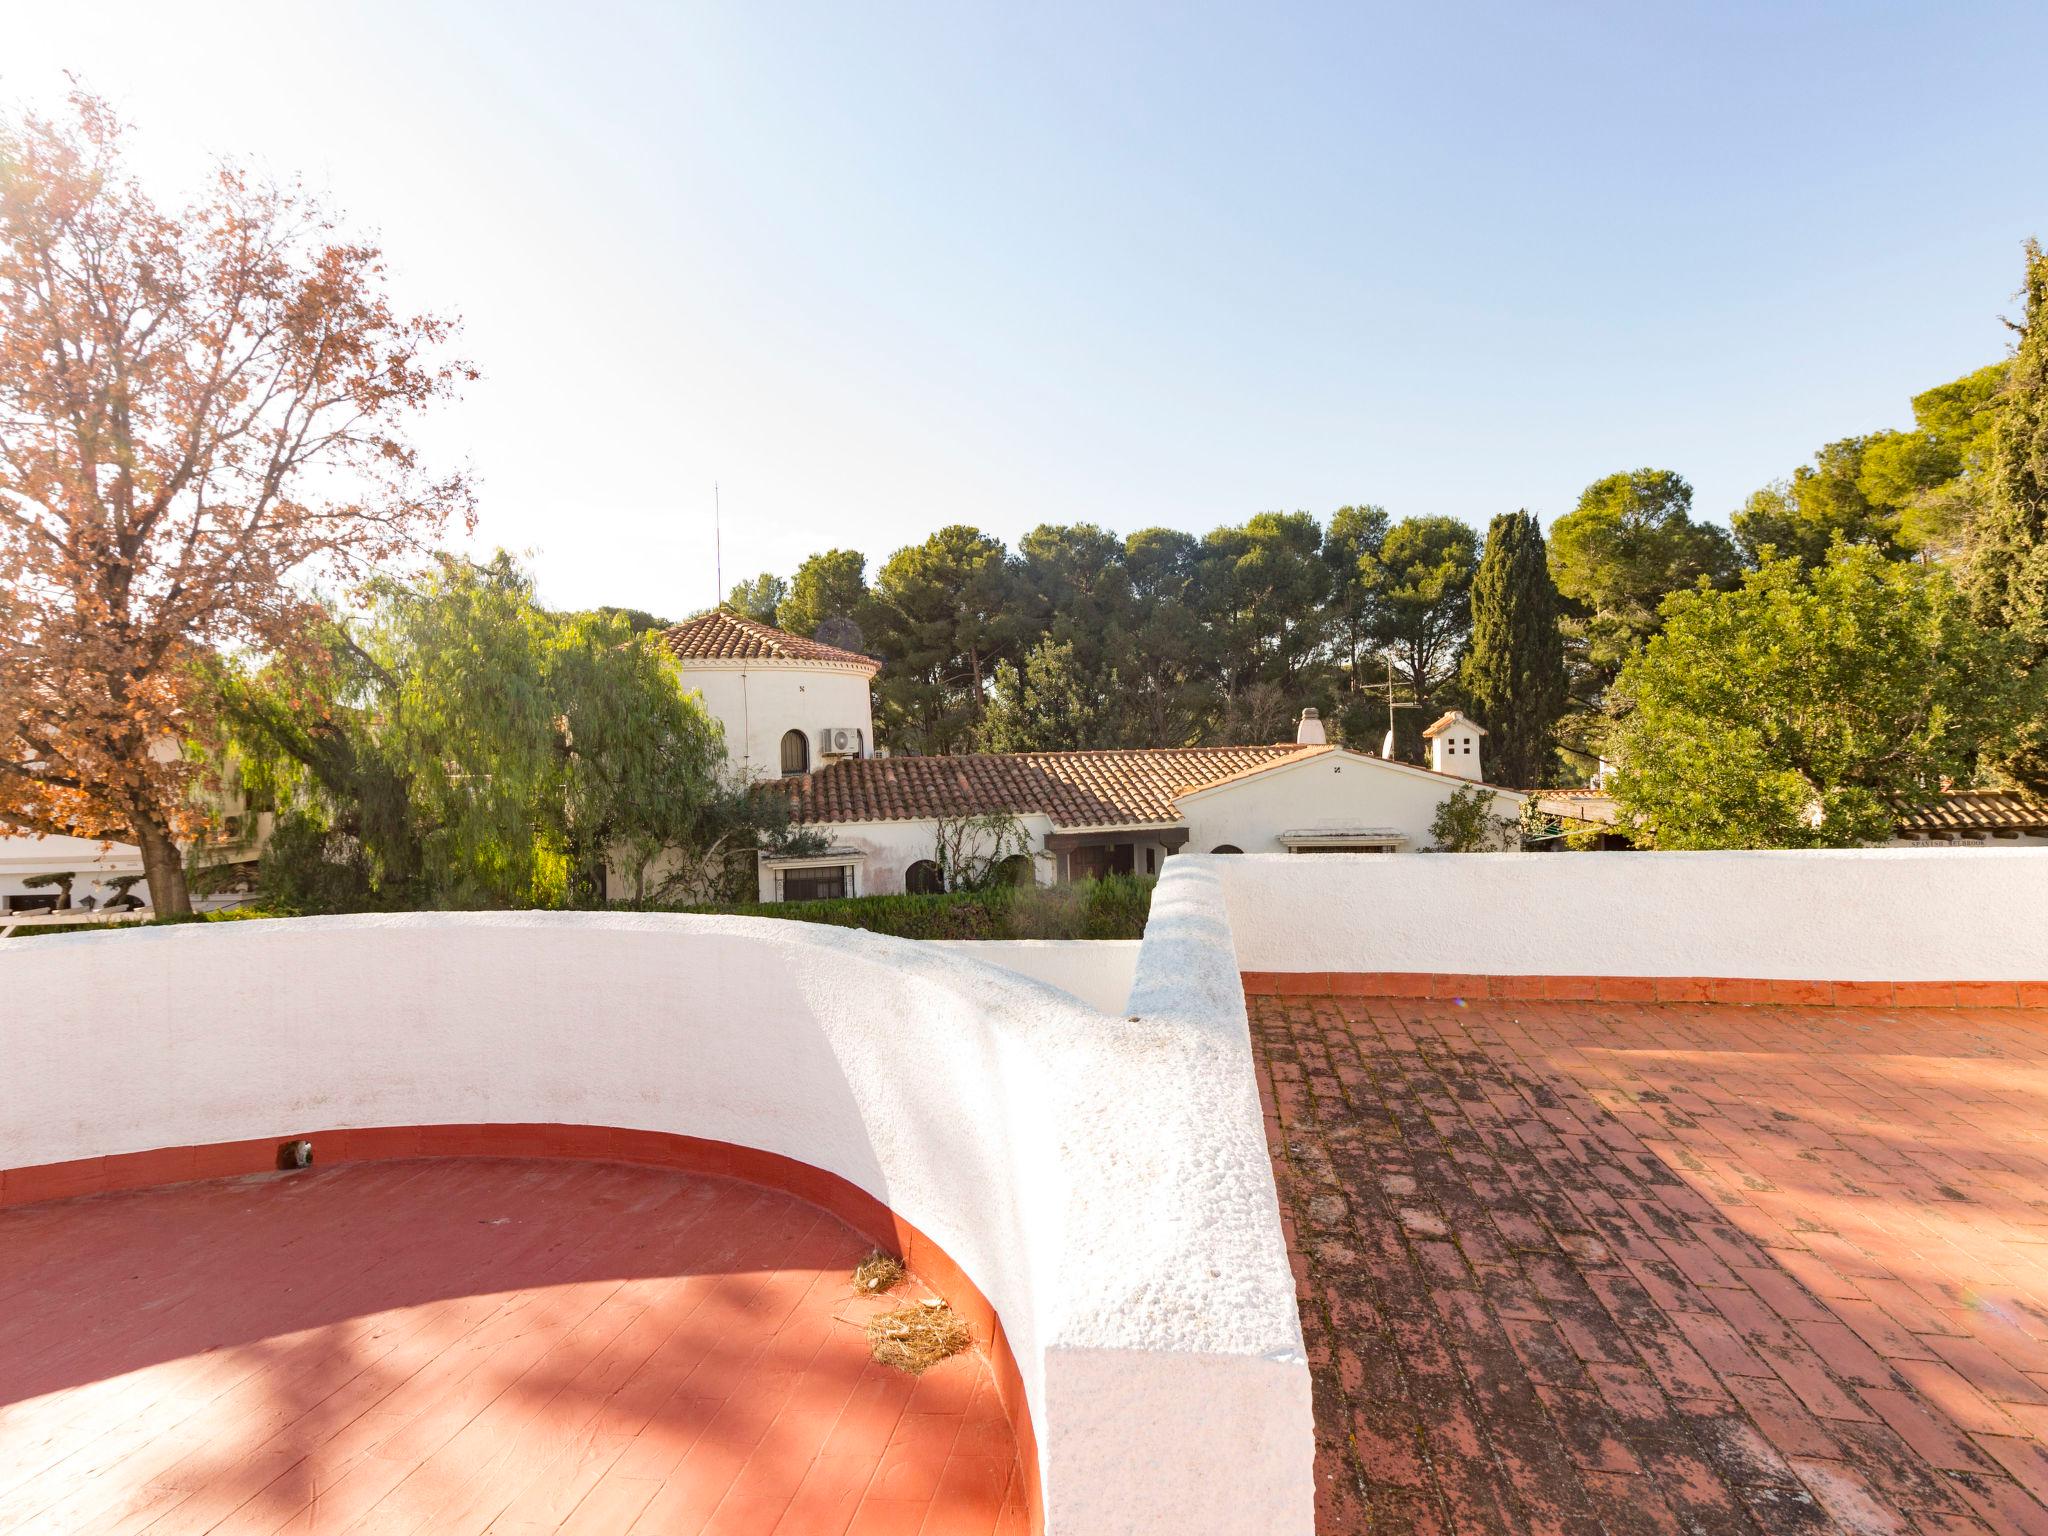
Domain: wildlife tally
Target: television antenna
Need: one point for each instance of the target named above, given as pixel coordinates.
(718, 553)
(1387, 746)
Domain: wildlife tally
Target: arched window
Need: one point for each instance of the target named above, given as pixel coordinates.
(796, 752)
(1015, 870)
(924, 878)
(1226, 848)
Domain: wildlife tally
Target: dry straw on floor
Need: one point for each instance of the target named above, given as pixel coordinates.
(917, 1337)
(876, 1273)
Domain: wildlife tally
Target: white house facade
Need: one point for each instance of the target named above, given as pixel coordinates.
(798, 719)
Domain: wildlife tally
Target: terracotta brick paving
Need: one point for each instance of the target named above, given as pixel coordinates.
(473, 1345)
(1647, 1268)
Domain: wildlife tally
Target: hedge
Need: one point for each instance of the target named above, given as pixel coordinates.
(1114, 907)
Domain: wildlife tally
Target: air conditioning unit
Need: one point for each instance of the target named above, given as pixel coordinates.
(839, 741)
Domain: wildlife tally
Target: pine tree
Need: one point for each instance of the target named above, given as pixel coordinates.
(1514, 672)
(2008, 576)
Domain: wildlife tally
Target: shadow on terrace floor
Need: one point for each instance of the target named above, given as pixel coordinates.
(1617, 1268)
(466, 1345)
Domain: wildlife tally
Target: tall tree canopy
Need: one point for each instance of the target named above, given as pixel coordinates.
(944, 613)
(1263, 586)
(1629, 543)
(459, 746)
(1514, 671)
(1899, 492)
(828, 599)
(1824, 503)
(198, 409)
(759, 597)
(1809, 706)
(1354, 546)
(2008, 572)
(1165, 696)
(1421, 598)
(1048, 705)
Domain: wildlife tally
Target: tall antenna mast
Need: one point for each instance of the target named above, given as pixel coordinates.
(717, 551)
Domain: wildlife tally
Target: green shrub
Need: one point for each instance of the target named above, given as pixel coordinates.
(1111, 908)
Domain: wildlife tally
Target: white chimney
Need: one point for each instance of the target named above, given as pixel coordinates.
(1310, 732)
(1454, 745)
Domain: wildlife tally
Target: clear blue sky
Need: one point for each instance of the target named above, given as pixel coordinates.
(878, 267)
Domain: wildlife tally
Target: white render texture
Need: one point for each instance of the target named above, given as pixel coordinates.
(757, 700)
(1456, 748)
(95, 863)
(1104, 1180)
(1097, 971)
(1331, 791)
(891, 847)
(1866, 914)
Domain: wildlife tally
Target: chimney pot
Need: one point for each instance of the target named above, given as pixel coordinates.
(1310, 731)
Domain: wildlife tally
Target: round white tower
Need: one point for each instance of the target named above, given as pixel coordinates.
(787, 704)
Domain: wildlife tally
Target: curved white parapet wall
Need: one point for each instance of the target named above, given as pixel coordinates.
(1104, 1181)
(1097, 971)
(1878, 914)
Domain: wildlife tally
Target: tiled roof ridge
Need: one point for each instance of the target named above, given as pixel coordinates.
(1300, 752)
(1250, 746)
(1985, 806)
(1102, 786)
(720, 634)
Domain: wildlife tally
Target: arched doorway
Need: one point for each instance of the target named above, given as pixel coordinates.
(924, 878)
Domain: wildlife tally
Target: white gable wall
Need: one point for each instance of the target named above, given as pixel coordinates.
(1328, 791)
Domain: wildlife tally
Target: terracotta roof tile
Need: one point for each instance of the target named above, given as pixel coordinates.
(722, 635)
(1980, 810)
(1074, 789)
(1443, 721)
(1304, 751)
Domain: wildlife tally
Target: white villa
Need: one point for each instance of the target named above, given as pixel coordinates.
(798, 716)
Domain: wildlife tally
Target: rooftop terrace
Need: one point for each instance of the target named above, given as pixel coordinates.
(461, 1346)
(1615, 1193)
(1667, 1267)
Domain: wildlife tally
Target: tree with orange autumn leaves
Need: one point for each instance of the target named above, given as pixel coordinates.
(202, 411)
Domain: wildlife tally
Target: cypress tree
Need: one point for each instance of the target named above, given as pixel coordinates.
(2008, 575)
(1514, 671)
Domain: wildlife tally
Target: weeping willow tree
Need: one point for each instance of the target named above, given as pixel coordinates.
(457, 745)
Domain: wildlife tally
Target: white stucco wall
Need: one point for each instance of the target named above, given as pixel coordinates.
(893, 846)
(1104, 1181)
(93, 862)
(1879, 914)
(1327, 790)
(757, 701)
(1097, 971)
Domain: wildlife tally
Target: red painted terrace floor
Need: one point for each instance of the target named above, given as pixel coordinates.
(470, 1346)
(1577, 1267)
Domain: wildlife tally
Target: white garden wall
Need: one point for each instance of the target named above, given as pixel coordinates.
(1877, 914)
(1103, 1180)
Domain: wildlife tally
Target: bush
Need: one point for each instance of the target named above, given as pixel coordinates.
(1110, 908)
